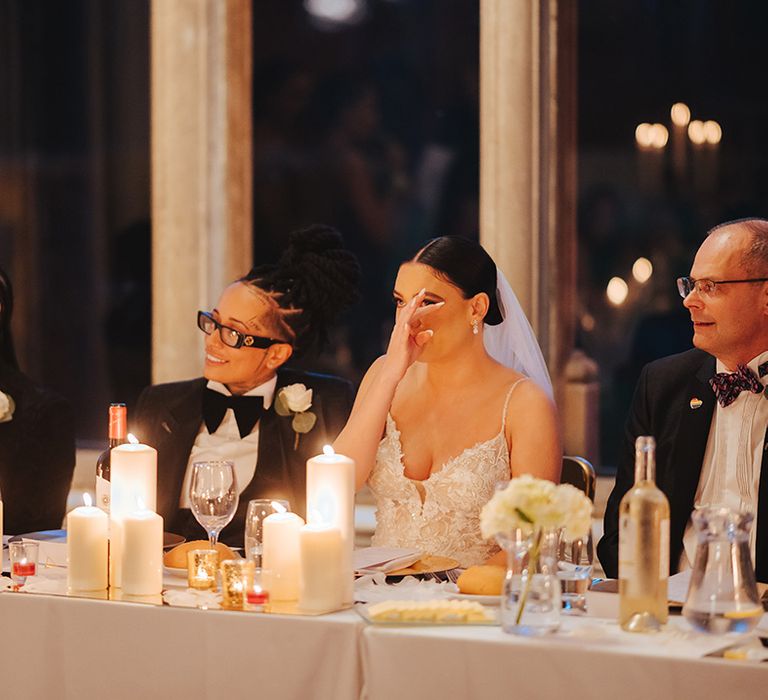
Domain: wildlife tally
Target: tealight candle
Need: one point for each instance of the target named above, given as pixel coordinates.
(142, 555)
(202, 565)
(133, 480)
(236, 581)
(281, 555)
(87, 548)
(331, 501)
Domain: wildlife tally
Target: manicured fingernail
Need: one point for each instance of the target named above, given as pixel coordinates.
(423, 290)
(430, 332)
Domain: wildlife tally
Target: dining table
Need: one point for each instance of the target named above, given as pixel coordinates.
(68, 647)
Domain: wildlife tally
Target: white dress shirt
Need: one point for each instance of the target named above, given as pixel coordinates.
(730, 472)
(226, 442)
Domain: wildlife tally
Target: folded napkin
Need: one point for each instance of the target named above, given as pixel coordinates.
(191, 598)
(369, 560)
(374, 589)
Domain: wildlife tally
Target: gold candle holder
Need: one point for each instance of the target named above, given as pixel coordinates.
(236, 581)
(202, 565)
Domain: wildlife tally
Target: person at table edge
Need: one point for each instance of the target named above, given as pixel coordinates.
(707, 406)
(259, 323)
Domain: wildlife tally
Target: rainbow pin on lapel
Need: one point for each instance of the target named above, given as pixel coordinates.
(697, 403)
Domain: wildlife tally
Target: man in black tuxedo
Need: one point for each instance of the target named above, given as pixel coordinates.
(170, 416)
(247, 405)
(37, 440)
(707, 407)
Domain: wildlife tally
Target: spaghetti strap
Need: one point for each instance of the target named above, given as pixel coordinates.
(506, 403)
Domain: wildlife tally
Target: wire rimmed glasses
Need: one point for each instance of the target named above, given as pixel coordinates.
(685, 285)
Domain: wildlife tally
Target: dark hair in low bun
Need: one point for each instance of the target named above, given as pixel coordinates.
(467, 266)
(312, 283)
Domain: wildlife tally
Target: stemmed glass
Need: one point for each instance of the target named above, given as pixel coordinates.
(258, 509)
(213, 495)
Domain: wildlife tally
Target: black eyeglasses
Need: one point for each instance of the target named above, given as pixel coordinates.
(685, 285)
(229, 336)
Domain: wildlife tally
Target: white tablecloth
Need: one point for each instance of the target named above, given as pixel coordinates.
(76, 649)
(583, 661)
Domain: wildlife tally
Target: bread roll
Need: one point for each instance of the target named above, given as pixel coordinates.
(177, 557)
(482, 580)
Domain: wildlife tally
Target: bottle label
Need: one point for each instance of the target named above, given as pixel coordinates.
(664, 549)
(103, 493)
(627, 542)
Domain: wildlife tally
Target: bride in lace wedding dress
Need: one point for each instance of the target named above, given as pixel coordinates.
(460, 401)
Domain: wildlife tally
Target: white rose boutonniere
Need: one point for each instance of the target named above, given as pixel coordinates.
(7, 407)
(296, 400)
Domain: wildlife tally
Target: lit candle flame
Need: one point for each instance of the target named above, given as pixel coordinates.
(328, 450)
(140, 504)
(87, 500)
(133, 439)
(278, 507)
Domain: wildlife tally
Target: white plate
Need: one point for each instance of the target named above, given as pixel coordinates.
(173, 571)
(482, 599)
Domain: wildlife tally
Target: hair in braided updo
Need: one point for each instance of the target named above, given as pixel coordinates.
(314, 280)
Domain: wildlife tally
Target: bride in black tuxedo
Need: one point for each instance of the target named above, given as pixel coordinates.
(259, 323)
(460, 401)
(37, 440)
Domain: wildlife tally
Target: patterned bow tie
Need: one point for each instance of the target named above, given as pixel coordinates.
(248, 410)
(728, 385)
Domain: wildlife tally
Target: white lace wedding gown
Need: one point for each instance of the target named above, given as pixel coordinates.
(441, 514)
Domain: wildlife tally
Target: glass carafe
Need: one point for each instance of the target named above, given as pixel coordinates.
(722, 596)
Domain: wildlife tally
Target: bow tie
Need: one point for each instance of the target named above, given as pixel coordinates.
(728, 385)
(248, 410)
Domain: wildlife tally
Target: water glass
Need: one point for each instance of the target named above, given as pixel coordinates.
(574, 570)
(258, 509)
(23, 556)
(213, 495)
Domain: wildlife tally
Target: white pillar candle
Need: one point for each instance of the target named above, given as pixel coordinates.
(87, 548)
(320, 588)
(331, 501)
(134, 481)
(281, 561)
(142, 557)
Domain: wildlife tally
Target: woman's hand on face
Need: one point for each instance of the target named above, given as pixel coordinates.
(408, 336)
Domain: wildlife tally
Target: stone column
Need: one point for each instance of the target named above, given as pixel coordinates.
(201, 169)
(528, 160)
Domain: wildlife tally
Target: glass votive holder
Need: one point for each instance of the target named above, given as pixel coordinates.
(202, 565)
(257, 594)
(23, 558)
(236, 580)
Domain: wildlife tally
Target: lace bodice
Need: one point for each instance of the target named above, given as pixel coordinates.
(441, 514)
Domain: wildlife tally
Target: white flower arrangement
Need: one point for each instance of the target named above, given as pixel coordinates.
(533, 504)
(296, 400)
(7, 407)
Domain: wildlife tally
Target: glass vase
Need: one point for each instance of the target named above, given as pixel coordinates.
(530, 598)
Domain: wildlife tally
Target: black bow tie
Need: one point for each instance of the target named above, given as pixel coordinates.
(248, 410)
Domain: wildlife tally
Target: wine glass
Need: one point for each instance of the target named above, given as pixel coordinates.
(258, 509)
(213, 495)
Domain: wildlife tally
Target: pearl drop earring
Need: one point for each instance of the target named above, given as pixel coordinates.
(475, 329)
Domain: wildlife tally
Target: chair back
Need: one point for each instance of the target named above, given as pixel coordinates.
(578, 472)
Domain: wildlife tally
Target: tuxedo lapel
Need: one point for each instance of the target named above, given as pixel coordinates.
(687, 456)
(761, 540)
(177, 433)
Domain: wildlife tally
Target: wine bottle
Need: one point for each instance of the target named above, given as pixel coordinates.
(118, 434)
(643, 546)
